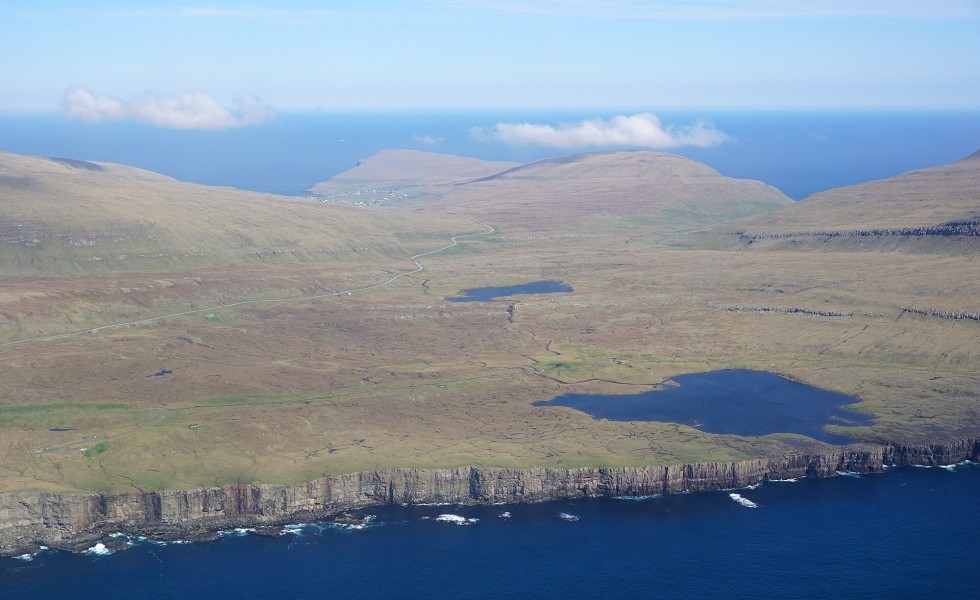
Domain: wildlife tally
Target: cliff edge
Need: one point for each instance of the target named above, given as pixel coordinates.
(29, 520)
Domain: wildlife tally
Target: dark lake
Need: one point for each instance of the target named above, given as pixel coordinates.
(731, 401)
(489, 293)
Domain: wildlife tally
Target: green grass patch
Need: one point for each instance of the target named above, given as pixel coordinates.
(25, 409)
(99, 448)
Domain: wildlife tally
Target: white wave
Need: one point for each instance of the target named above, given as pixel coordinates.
(948, 467)
(568, 517)
(98, 550)
(25, 557)
(923, 466)
(237, 532)
(455, 519)
(364, 524)
(743, 500)
(505, 515)
(295, 528)
(853, 474)
(787, 480)
(638, 498)
(130, 540)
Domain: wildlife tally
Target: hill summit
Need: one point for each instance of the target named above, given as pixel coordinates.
(655, 190)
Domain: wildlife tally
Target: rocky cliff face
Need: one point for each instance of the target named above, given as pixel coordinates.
(75, 521)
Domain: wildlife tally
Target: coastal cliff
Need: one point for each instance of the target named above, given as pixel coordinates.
(71, 521)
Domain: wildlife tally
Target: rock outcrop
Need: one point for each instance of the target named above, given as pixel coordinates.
(76, 521)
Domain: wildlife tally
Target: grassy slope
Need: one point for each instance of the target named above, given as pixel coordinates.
(76, 217)
(394, 176)
(914, 199)
(398, 377)
(643, 191)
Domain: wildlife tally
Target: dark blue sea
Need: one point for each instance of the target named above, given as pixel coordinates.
(909, 533)
(800, 152)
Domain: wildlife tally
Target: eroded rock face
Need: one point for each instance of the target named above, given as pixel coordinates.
(75, 521)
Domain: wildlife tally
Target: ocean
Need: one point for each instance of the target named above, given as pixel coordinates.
(799, 152)
(907, 533)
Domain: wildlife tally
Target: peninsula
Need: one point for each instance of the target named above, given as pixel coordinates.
(179, 359)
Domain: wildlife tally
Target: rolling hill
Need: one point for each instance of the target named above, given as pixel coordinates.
(653, 190)
(394, 176)
(62, 216)
(935, 209)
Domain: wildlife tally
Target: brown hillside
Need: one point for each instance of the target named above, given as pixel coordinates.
(922, 208)
(651, 189)
(73, 216)
(394, 175)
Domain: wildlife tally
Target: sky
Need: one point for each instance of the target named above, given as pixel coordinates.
(231, 64)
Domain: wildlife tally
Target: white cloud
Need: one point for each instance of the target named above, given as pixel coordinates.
(194, 110)
(427, 139)
(79, 103)
(643, 130)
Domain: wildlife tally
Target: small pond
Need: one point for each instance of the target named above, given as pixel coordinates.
(736, 402)
(488, 294)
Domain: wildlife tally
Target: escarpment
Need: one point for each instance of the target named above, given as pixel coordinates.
(75, 521)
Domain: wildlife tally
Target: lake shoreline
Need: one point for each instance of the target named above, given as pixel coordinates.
(78, 521)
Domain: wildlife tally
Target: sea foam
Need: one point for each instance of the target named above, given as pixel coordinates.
(568, 517)
(237, 532)
(743, 500)
(98, 550)
(295, 528)
(455, 519)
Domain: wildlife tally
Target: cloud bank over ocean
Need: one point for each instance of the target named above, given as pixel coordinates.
(642, 130)
(189, 110)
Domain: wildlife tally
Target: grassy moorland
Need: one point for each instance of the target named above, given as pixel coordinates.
(395, 376)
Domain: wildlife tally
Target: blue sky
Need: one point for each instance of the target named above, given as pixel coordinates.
(158, 60)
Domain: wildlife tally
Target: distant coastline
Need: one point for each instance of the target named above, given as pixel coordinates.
(801, 152)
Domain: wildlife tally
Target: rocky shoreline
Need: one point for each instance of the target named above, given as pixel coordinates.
(77, 521)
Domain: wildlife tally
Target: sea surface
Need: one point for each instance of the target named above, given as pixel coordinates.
(908, 533)
(800, 152)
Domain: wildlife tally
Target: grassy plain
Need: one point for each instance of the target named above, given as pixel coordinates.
(398, 377)
(395, 376)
